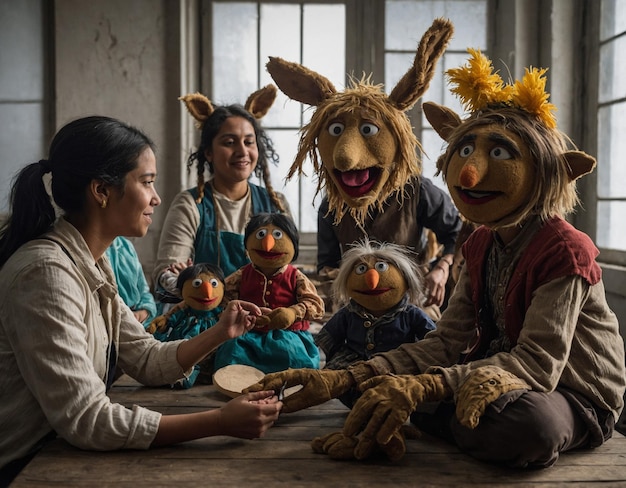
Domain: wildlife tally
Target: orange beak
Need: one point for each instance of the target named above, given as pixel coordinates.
(206, 288)
(268, 243)
(371, 278)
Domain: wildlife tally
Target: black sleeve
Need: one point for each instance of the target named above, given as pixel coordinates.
(328, 248)
(438, 213)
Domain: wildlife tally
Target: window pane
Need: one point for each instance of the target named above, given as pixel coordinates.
(611, 150)
(21, 37)
(324, 33)
(234, 31)
(613, 72)
(613, 18)
(407, 20)
(280, 37)
(611, 225)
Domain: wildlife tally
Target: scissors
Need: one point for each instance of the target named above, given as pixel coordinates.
(281, 392)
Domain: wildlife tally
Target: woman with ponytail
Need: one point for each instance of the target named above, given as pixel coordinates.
(65, 333)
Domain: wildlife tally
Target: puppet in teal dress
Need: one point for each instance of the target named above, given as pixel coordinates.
(202, 288)
(282, 339)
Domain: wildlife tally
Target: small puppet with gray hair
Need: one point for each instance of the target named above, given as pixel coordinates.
(379, 287)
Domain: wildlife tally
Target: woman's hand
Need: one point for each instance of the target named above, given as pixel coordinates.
(238, 318)
(249, 416)
(435, 282)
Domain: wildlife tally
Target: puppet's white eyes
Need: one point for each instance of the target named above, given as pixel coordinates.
(360, 269)
(368, 130)
(336, 129)
(466, 150)
(261, 233)
(214, 282)
(196, 282)
(381, 266)
(500, 153)
(277, 234)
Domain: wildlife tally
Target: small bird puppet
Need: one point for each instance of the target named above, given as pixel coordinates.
(202, 289)
(379, 286)
(282, 339)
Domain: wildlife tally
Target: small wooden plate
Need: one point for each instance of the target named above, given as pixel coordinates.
(231, 380)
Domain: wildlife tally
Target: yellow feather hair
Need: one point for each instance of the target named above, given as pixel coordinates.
(478, 88)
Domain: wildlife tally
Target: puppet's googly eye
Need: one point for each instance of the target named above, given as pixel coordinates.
(277, 234)
(381, 266)
(214, 282)
(196, 282)
(261, 233)
(500, 153)
(368, 130)
(360, 269)
(336, 129)
(466, 150)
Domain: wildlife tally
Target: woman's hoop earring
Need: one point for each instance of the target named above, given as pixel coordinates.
(103, 204)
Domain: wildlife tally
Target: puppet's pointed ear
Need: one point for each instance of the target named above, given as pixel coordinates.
(579, 164)
(443, 119)
(416, 80)
(259, 103)
(299, 83)
(199, 106)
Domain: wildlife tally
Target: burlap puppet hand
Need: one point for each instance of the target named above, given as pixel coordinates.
(386, 404)
(342, 447)
(279, 318)
(483, 386)
(157, 324)
(319, 385)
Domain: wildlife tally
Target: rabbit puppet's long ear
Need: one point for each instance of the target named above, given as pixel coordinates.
(259, 102)
(199, 106)
(299, 83)
(416, 80)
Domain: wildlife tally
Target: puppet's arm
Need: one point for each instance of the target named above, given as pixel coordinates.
(159, 323)
(309, 306)
(231, 287)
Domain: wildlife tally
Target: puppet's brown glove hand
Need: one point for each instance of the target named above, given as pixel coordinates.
(386, 404)
(318, 385)
(483, 386)
(339, 446)
(158, 324)
(279, 318)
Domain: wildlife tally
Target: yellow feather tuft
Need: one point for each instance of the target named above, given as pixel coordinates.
(530, 95)
(478, 87)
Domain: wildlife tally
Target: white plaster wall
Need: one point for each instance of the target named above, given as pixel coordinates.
(121, 58)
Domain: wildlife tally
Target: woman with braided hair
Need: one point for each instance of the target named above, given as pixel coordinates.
(206, 223)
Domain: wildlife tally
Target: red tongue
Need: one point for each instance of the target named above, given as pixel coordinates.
(355, 177)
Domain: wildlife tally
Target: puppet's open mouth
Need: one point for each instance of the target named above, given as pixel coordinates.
(357, 182)
(473, 197)
(268, 254)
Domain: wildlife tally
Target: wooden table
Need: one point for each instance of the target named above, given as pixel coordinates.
(284, 457)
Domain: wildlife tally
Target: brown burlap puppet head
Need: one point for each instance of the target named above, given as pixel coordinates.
(507, 160)
(360, 141)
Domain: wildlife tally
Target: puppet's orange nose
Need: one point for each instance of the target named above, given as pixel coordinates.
(371, 278)
(206, 288)
(268, 243)
(469, 176)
